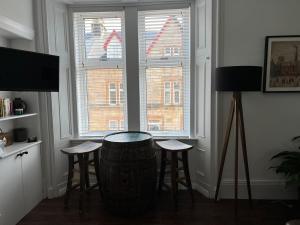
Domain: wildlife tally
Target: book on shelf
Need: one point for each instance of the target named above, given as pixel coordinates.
(6, 107)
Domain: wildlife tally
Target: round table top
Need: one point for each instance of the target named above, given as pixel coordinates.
(126, 137)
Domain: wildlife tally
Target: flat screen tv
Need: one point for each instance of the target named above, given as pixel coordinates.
(28, 71)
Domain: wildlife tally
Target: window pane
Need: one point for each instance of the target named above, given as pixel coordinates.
(103, 38)
(100, 72)
(164, 55)
(163, 34)
(163, 114)
(102, 99)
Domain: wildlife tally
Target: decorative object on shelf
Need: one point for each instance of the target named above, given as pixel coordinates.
(32, 139)
(7, 137)
(20, 134)
(6, 108)
(282, 64)
(237, 79)
(19, 111)
(19, 106)
(290, 165)
(2, 145)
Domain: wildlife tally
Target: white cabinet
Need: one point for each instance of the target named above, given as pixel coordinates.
(32, 178)
(11, 190)
(20, 184)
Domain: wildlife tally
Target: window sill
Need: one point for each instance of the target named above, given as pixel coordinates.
(157, 138)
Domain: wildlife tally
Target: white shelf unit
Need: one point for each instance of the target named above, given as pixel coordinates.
(13, 117)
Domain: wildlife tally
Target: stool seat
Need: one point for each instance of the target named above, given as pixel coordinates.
(85, 147)
(174, 145)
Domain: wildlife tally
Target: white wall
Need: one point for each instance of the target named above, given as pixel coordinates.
(271, 120)
(18, 10)
(3, 42)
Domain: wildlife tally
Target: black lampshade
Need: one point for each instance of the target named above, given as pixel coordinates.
(238, 78)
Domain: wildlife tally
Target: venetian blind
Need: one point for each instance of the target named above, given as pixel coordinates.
(100, 73)
(164, 55)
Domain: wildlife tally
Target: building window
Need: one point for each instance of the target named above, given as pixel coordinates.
(112, 94)
(113, 125)
(168, 51)
(121, 93)
(176, 93)
(165, 79)
(167, 93)
(171, 51)
(121, 125)
(176, 51)
(96, 29)
(153, 125)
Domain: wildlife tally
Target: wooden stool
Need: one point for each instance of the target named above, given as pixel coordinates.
(82, 152)
(174, 147)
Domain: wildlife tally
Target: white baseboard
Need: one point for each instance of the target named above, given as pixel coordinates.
(58, 191)
(261, 189)
(201, 189)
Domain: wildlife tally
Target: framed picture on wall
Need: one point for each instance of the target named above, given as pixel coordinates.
(282, 64)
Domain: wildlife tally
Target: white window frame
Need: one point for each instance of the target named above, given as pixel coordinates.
(171, 61)
(115, 63)
(81, 63)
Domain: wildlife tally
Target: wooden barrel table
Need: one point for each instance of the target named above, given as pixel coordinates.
(128, 172)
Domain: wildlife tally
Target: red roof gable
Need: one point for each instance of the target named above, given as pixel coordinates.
(110, 37)
(160, 33)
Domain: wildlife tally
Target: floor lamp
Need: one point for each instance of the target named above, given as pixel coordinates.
(237, 79)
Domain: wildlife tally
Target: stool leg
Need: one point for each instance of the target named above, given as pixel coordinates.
(174, 177)
(70, 177)
(97, 168)
(86, 170)
(185, 163)
(162, 170)
(82, 182)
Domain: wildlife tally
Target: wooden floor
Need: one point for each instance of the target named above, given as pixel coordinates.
(51, 212)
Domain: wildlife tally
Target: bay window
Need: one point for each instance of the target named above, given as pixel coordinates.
(164, 71)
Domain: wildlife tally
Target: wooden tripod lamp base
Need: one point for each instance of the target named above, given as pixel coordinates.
(237, 79)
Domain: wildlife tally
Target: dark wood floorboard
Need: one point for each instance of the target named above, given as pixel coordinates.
(205, 212)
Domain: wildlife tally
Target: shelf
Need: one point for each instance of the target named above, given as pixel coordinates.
(17, 147)
(13, 117)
